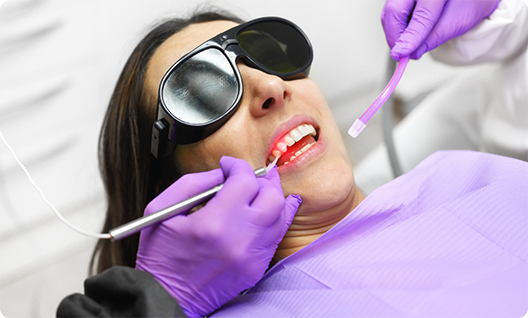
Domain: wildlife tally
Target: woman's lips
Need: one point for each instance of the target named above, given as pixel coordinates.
(293, 144)
(307, 157)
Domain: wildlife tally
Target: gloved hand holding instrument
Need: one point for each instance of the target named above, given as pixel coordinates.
(206, 258)
(414, 27)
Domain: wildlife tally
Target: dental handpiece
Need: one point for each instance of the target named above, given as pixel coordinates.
(137, 225)
(140, 223)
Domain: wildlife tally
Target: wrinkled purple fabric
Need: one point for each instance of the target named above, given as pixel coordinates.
(448, 239)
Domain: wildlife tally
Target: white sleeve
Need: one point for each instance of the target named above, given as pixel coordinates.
(502, 36)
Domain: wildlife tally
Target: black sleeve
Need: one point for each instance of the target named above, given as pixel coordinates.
(121, 292)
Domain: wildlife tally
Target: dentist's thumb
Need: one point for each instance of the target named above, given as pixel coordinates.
(291, 205)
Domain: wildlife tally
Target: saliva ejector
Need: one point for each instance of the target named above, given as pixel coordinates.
(361, 122)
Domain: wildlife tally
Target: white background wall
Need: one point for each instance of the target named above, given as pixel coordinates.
(59, 60)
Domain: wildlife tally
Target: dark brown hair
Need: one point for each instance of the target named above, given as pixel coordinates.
(131, 175)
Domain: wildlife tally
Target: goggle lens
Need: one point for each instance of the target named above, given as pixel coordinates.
(275, 45)
(201, 89)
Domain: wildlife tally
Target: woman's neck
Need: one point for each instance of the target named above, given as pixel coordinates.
(307, 227)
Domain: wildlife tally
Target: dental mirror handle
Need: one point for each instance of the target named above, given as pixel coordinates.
(137, 225)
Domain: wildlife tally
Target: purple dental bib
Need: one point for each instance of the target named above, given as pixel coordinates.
(448, 239)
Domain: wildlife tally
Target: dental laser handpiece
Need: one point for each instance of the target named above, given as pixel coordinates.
(140, 223)
(137, 225)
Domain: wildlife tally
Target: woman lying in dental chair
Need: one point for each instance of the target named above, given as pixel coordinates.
(447, 239)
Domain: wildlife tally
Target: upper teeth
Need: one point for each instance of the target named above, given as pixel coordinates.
(301, 131)
(291, 138)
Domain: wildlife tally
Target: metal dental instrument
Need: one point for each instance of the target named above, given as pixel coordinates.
(178, 208)
(140, 223)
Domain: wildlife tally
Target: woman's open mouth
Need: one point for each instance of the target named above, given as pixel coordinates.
(293, 144)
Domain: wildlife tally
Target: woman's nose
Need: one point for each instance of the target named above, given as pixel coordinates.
(263, 93)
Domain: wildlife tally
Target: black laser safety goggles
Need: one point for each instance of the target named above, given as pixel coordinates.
(203, 89)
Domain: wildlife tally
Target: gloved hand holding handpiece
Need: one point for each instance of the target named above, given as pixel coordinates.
(414, 27)
(208, 257)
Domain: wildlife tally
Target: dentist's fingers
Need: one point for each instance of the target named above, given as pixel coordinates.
(241, 183)
(187, 186)
(424, 18)
(291, 205)
(395, 17)
(268, 205)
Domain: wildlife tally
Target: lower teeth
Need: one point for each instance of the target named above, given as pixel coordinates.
(298, 153)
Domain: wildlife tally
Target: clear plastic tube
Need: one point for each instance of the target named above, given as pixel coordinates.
(360, 123)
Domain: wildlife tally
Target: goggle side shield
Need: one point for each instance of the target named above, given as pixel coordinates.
(203, 89)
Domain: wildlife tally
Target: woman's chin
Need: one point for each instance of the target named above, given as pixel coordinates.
(324, 188)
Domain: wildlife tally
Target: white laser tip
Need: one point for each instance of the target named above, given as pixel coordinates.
(271, 165)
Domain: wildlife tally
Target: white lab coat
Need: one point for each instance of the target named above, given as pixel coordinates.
(483, 110)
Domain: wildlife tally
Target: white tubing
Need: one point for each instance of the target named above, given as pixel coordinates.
(271, 165)
(96, 235)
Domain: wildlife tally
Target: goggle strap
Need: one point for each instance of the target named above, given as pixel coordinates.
(160, 139)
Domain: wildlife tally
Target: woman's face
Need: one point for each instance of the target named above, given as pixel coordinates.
(270, 109)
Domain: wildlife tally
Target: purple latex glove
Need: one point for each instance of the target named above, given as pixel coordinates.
(208, 257)
(433, 23)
